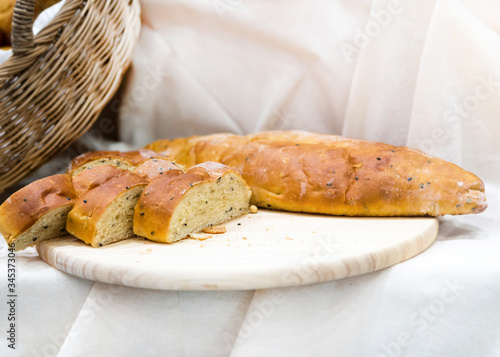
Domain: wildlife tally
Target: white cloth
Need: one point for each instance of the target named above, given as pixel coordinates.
(325, 66)
(418, 73)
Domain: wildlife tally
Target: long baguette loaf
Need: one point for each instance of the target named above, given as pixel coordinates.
(306, 172)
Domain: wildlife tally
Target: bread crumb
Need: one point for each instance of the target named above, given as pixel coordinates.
(149, 250)
(286, 237)
(215, 229)
(253, 209)
(201, 246)
(244, 238)
(199, 236)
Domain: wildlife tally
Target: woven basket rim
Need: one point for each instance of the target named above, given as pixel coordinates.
(88, 83)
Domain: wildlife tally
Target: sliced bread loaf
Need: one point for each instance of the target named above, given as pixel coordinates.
(37, 212)
(105, 214)
(176, 205)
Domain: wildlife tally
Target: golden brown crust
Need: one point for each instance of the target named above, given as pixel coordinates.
(176, 149)
(157, 167)
(306, 172)
(21, 210)
(83, 218)
(132, 158)
(160, 198)
(96, 176)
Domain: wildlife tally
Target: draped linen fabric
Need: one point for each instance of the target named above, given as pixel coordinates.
(418, 73)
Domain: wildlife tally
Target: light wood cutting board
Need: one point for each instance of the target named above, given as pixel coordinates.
(264, 250)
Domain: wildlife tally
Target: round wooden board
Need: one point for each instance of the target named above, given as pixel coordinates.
(265, 250)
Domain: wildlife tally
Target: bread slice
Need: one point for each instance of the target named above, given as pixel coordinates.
(105, 214)
(176, 205)
(158, 166)
(307, 172)
(123, 160)
(37, 212)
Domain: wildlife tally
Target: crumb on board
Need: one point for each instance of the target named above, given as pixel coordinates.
(199, 236)
(201, 246)
(149, 250)
(287, 237)
(244, 238)
(253, 209)
(215, 229)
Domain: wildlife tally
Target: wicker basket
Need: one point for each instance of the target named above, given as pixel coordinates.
(55, 85)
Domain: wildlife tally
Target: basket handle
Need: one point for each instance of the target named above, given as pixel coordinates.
(22, 26)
